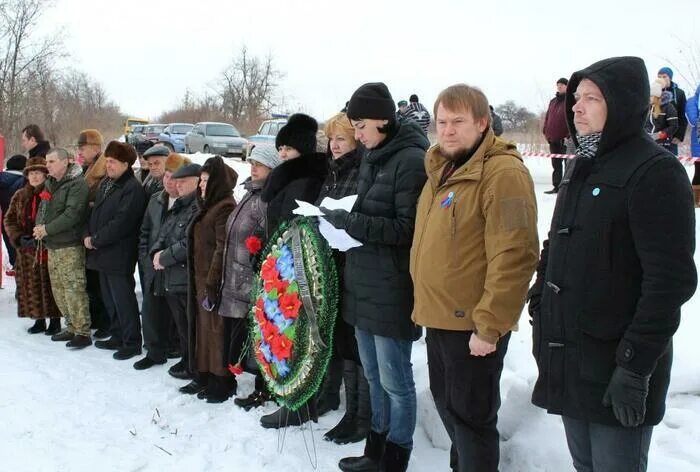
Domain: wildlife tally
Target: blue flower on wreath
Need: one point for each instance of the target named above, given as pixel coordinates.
(266, 351)
(280, 321)
(285, 264)
(281, 366)
(272, 309)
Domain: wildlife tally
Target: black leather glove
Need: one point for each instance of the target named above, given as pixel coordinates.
(338, 218)
(27, 242)
(627, 394)
(534, 295)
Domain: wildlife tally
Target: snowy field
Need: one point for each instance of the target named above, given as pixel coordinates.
(84, 411)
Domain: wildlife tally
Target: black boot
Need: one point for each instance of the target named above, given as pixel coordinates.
(79, 341)
(329, 393)
(64, 335)
(180, 371)
(39, 326)
(198, 384)
(54, 327)
(372, 460)
(125, 353)
(286, 417)
(357, 427)
(396, 458)
(224, 388)
(110, 344)
(347, 423)
(254, 400)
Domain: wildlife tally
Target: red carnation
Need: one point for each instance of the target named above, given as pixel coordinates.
(269, 269)
(279, 284)
(290, 305)
(235, 369)
(254, 244)
(45, 195)
(281, 347)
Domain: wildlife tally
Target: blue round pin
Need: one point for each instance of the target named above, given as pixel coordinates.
(596, 192)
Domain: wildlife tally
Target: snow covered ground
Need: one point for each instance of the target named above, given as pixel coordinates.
(84, 411)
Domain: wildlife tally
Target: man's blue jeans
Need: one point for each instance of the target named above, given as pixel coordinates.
(602, 448)
(387, 366)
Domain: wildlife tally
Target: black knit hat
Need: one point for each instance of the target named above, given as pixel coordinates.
(299, 133)
(563, 81)
(413, 98)
(16, 162)
(372, 101)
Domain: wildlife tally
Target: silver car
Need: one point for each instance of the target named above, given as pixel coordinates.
(215, 138)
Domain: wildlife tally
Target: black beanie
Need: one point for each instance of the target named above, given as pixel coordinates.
(372, 101)
(413, 98)
(299, 133)
(16, 162)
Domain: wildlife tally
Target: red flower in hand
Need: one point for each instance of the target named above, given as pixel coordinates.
(45, 195)
(290, 305)
(235, 369)
(254, 244)
(269, 269)
(281, 346)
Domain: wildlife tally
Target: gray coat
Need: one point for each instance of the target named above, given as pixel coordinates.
(248, 218)
(150, 230)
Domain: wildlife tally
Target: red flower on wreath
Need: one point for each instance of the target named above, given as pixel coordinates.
(269, 331)
(281, 346)
(235, 369)
(254, 244)
(269, 269)
(290, 305)
(279, 284)
(261, 359)
(45, 195)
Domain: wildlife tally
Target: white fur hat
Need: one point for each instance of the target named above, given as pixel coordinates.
(656, 88)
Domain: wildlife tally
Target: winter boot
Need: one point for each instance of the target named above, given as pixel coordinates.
(347, 423)
(101, 334)
(38, 327)
(180, 371)
(396, 458)
(64, 335)
(254, 400)
(373, 458)
(79, 342)
(224, 388)
(147, 363)
(329, 393)
(110, 344)
(198, 384)
(125, 353)
(359, 405)
(54, 327)
(285, 417)
(696, 194)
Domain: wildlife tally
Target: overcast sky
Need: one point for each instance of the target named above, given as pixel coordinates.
(147, 53)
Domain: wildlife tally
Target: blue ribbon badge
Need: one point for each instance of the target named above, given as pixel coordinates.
(447, 201)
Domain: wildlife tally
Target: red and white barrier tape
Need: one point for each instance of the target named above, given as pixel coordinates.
(684, 159)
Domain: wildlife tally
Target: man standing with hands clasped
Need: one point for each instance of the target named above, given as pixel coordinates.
(473, 255)
(613, 274)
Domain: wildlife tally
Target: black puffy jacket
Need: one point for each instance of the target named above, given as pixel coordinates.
(378, 291)
(114, 225)
(618, 263)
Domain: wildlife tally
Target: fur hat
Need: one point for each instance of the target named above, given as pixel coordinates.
(666, 70)
(90, 136)
(657, 87)
(266, 155)
(121, 152)
(372, 101)
(35, 163)
(174, 161)
(16, 162)
(299, 133)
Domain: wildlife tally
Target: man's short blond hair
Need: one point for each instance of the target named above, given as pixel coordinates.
(463, 97)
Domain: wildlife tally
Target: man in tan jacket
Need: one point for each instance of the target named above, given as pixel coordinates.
(474, 251)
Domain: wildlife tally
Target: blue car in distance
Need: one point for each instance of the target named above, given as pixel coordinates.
(267, 132)
(173, 136)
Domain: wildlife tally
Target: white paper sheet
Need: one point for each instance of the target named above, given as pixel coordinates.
(337, 238)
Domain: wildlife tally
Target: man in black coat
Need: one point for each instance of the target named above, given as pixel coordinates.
(111, 240)
(678, 99)
(614, 273)
(169, 255)
(11, 180)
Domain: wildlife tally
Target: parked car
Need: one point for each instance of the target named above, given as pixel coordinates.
(215, 138)
(173, 136)
(136, 134)
(267, 132)
(153, 131)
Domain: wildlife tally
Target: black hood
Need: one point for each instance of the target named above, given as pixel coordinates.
(624, 83)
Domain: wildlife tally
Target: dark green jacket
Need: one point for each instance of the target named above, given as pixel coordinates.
(65, 213)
